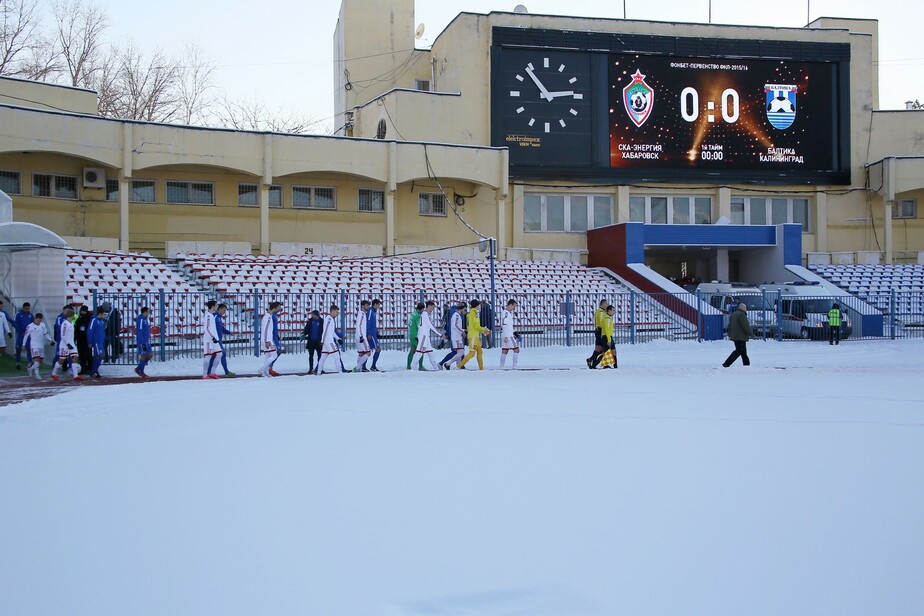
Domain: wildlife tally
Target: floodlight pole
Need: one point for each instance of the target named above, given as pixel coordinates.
(492, 255)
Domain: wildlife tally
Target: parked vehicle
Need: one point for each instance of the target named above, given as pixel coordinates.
(726, 296)
(805, 307)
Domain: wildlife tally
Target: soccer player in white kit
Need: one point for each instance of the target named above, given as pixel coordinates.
(457, 335)
(329, 344)
(267, 346)
(508, 338)
(210, 345)
(36, 335)
(362, 337)
(67, 348)
(423, 333)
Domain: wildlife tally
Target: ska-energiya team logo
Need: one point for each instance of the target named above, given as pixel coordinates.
(781, 105)
(638, 98)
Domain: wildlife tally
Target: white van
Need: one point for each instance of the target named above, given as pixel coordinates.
(805, 309)
(726, 296)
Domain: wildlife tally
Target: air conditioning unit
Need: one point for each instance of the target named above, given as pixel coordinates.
(94, 177)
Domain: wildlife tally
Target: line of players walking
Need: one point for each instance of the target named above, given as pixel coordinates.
(462, 328)
(324, 340)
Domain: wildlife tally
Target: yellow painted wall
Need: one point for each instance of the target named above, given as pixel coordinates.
(23, 93)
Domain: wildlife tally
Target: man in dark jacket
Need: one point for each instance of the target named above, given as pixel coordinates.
(312, 335)
(739, 332)
(113, 332)
(80, 338)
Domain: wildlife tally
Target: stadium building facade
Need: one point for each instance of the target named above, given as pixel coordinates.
(535, 129)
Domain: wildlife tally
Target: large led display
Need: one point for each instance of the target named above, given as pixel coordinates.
(717, 114)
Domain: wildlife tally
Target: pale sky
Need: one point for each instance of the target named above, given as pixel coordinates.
(282, 50)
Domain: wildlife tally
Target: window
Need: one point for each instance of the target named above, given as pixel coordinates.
(371, 200)
(249, 195)
(54, 186)
(432, 204)
(422, 84)
(770, 211)
(671, 210)
(194, 193)
(566, 213)
(143, 191)
(314, 197)
(905, 208)
(112, 189)
(10, 182)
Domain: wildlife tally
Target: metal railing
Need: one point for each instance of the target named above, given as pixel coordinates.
(556, 317)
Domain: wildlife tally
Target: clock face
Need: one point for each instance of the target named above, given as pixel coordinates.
(543, 92)
(543, 106)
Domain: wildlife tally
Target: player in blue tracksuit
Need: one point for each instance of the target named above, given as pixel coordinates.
(372, 331)
(96, 338)
(313, 332)
(21, 321)
(447, 329)
(143, 340)
(220, 313)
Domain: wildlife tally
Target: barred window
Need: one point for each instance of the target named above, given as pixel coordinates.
(112, 189)
(432, 204)
(142, 191)
(54, 186)
(249, 195)
(315, 197)
(371, 200)
(194, 193)
(905, 208)
(10, 182)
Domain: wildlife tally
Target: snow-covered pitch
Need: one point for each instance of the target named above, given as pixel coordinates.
(669, 486)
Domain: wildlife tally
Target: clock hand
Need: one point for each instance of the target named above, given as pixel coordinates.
(543, 92)
(551, 95)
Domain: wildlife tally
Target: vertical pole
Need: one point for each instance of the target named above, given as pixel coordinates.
(343, 335)
(779, 315)
(892, 313)
(492, 245)
(631, 316)
(568, 318)
(162, 310)
(699, 316)
(256, 323)
(95, 302)
(763, 310)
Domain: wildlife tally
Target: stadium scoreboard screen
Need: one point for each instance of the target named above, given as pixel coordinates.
(646, 116)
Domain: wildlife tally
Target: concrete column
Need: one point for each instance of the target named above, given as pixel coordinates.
(518, 241)
(125, 181)
(390, 190)
(125, 185)
(725, 209)
(265, 244)
(721, 264)
(501, 198)
(887, 208)
(622, 204)
(821, 221)
(389, 222)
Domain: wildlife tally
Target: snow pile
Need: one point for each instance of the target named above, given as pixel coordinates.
(670, 486)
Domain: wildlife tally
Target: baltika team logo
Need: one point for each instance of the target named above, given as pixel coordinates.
(781, 105)
(638, 99)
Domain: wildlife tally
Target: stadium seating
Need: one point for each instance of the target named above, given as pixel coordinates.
(539, 287)
(874, 284)
(304, 283)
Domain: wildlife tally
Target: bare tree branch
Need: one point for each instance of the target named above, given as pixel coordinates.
(194, 82)
(252, 114)
(79, 31)
(18, 22)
